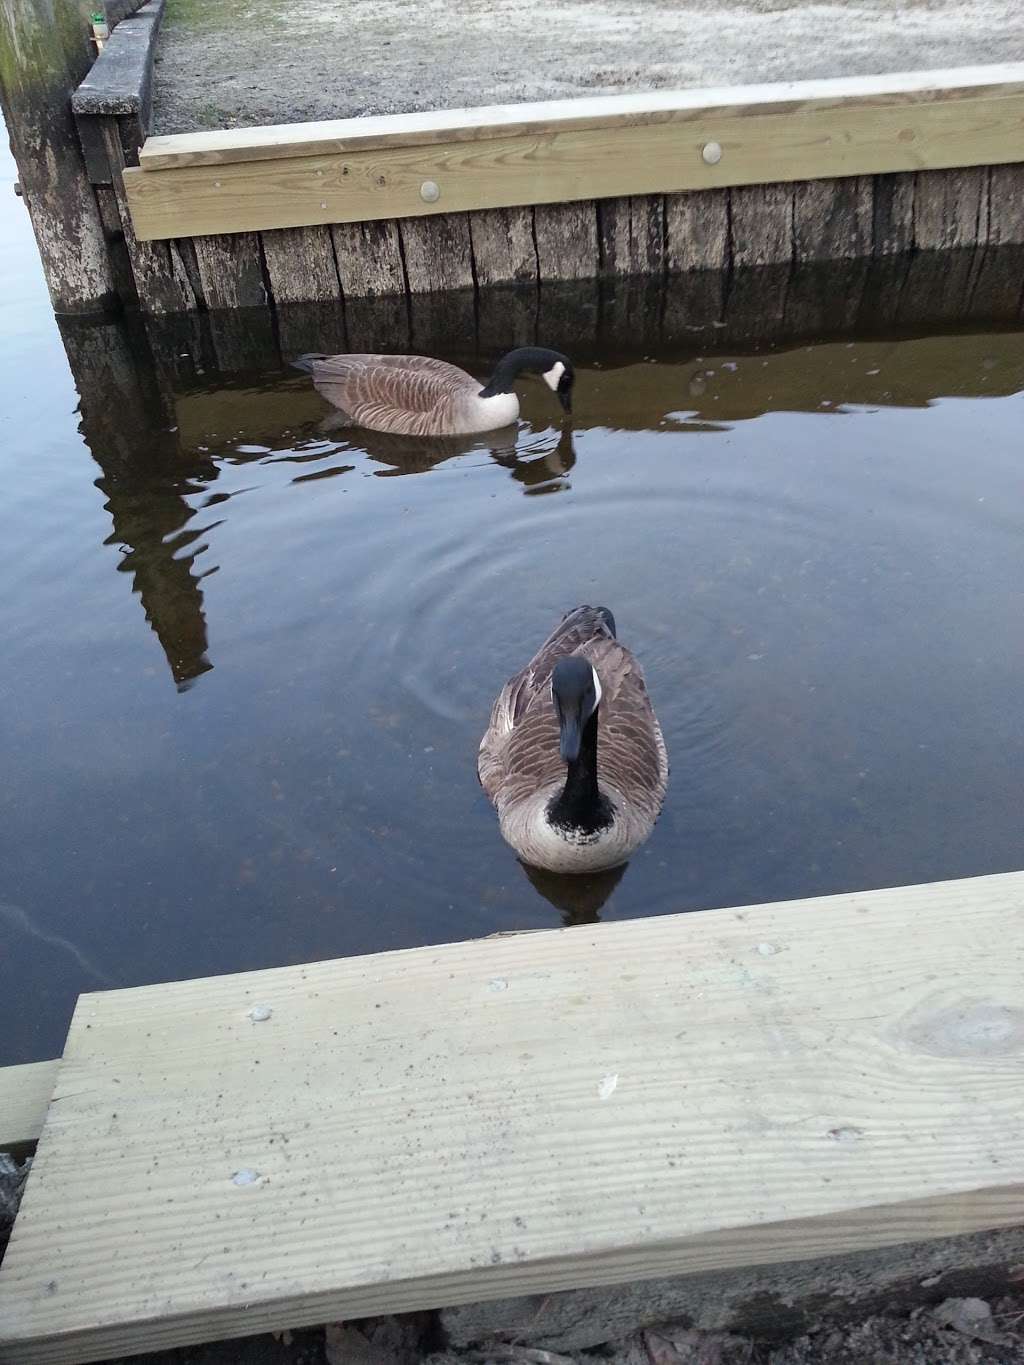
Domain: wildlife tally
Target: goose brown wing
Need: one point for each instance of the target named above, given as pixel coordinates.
(407, 395)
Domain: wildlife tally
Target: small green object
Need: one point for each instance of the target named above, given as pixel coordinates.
(98, 18)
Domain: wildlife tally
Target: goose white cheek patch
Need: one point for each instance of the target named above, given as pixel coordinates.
(552, 376)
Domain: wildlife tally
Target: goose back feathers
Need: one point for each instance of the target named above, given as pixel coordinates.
(412, 395)
(522, 771)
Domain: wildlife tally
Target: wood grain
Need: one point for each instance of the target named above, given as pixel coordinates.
(524, 1114)
(369, 258)
(25, 1093)
(697, 231)
(283, 141)
(503, 246)
(231, 271)
(300, 265)
(800, 141)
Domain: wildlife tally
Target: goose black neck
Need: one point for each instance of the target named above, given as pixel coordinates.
(527, 359)
(581, 806)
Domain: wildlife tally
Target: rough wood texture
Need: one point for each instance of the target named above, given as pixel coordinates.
(44, 53)
(761, 225)
(25, 1093)
(566, 236)
(697, 231)
(369, 257)
(161, 276)
(798, 140)
(231, 271)
(503, 247)
(951, 209)
(819, 102)
(833, 219)
(438, 254)
(893, 213)
(524, 1113)
(300, 265)
(631, 235)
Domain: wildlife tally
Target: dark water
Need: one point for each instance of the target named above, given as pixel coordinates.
(247, 661)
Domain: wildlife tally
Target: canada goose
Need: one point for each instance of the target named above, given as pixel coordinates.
(413, 395)
(559, 806)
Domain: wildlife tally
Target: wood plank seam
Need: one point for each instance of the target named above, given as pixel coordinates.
(439, 1125)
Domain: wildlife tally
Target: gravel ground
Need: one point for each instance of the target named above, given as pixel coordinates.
(226, 63)
(956, 1332)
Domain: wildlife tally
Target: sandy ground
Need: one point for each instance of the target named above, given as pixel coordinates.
(223, 63)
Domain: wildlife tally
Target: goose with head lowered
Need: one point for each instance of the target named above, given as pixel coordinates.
(414, 395)
(565, 802)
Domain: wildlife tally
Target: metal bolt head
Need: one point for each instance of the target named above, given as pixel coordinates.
(430, 191)
(712, 153)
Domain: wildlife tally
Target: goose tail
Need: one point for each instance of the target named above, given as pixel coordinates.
(307, 362)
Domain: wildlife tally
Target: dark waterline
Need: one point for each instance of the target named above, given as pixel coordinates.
(247, 662)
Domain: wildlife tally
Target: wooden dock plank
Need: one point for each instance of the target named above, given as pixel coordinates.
(792, 136)
(285, 140)
(524, 1114)
(25, 1093)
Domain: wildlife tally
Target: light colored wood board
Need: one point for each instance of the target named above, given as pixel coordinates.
(593, 163)
(231, 270)
(893, 212)
(697, 231)
(833, 219)
(283, 141)
(951, 209)
(761, 225)
(161, 286)
(503, 247)
(1006, 206)
(631, 235)
(300, 265)
(369, 259)
(437, 253)
(25, 1093)
(566, 237)
(525, 1114)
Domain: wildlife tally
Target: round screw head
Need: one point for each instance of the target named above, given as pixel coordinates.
(712, 153)
(430, 191)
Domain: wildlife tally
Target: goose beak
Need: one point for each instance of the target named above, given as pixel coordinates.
(570, 737)
(565, 398)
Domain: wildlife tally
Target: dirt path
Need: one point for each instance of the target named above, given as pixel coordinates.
(223, 63)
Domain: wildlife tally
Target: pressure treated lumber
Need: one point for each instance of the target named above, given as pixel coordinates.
(25, 1093)
(625, 146)
(525, 1113)
(275, 142)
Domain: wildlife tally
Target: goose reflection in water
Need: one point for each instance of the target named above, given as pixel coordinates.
(579, 898)
(540, 466)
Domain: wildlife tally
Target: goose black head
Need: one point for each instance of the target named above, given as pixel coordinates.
(576, 692)
(554, 368)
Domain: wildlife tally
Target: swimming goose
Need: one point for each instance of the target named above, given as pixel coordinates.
(414, 395)
(560, 806)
